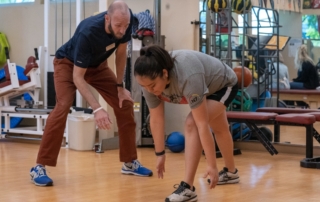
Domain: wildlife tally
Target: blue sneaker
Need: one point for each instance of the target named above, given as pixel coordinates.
(136, 169)
(39, 176)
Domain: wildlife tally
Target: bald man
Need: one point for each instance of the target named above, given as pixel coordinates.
(82, 61)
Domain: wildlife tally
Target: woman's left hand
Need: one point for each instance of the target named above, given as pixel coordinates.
(161, 165)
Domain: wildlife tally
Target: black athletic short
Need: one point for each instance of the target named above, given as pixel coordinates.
(224, 95)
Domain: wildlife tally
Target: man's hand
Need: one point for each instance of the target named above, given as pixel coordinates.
(102, 119)
(124, 94)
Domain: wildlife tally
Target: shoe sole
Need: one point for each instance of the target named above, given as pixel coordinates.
(234, 181)
(41, 185)
(191, 199)
(133, 173)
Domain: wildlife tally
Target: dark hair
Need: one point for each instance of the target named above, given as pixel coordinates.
(152, 61)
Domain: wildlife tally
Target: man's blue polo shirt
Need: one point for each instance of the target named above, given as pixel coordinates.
(90, 44)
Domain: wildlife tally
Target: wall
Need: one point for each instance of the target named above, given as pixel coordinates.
(25, 31)
(286, 19)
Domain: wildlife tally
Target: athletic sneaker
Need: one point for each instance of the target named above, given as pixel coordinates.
(136, 169)
(183, 193)
(39, 176)
(226, 177)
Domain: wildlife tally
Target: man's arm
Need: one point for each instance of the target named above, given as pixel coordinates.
(101, 117)
(121, 59)
(83, 87)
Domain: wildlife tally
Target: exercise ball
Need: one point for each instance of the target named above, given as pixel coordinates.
(175, 142)
(239, 5)
(247, 76)
(217, 5)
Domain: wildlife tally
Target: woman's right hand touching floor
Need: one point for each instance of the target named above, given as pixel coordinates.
(213, 174)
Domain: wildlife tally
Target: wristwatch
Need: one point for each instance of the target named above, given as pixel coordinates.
(120, 85)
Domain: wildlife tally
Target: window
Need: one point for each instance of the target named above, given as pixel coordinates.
(310, 28)
(265, 21)
(15, 1)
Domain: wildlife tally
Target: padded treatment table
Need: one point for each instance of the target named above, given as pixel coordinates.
(280, 110)
(251, 119)
(306, 120)
(312, 97)
(291, 119)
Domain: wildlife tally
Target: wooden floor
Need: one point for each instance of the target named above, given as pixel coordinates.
(91, 177)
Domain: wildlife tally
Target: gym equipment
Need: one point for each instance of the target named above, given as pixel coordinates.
(247, 76)
(15, 121)
(241, 6)
(175, 142)
(141, 33)
(217, 5)
(3, 46)
(242, 102)
(266, 131)
(240, 132)
(28, 89)
(262, 98)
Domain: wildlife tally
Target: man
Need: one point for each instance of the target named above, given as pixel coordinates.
(82, 61)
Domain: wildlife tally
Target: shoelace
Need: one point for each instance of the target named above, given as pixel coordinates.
(41, 171)
(224, 173)
(136, 164)
(179, 188)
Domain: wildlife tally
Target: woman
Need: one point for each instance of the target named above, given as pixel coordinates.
(208, 86)
(283, 74)
(307, 73)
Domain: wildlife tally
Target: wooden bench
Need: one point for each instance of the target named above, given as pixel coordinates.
(312, 97)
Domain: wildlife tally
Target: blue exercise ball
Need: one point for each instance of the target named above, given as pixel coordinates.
(175, 142)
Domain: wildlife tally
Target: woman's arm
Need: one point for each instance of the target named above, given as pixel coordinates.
(157, 126)
(303, 74)
(201, 118)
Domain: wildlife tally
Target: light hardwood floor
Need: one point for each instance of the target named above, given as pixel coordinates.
(91, 177)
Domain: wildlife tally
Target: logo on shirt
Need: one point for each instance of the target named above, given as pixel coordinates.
(79, 61)
(194, 98)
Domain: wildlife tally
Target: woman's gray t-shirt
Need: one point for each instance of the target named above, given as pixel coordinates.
(193, 76)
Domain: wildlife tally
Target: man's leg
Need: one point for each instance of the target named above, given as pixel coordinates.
(56, 122)
(104, 81)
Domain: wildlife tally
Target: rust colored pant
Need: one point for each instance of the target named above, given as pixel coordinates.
(104, 81)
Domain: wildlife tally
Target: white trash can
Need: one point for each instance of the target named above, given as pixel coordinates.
(81, 131)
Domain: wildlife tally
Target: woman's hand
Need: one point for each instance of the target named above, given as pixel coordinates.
(161, 165)
(213, 174)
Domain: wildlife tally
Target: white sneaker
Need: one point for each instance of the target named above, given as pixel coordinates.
(226, 177)
(183, 193)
